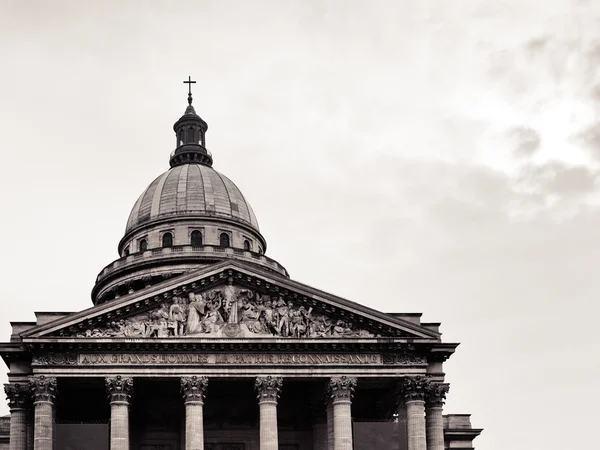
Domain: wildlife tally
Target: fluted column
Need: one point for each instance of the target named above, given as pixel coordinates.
(18, 398)
(341, 390)
(193, 390)
(119, 391)
(413, 393)
(329, 411)
(267, 391)
(43, 390)
(434, 402)
(30, 429)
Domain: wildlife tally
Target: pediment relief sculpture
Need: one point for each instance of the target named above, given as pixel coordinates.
(229, 311)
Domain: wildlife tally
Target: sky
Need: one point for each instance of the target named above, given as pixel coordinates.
(433, 156)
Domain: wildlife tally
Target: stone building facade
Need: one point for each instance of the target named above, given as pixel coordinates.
(197, 340)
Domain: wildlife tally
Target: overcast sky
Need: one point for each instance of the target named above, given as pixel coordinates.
(426, 156)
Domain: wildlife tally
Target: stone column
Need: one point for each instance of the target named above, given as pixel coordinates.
(30, 428)
(434, 402)
(267, 391)
(340, 391)
(119, 391)
(413, 393)
(193, 390)
(329, 411)
(43, 390)
(17, 395)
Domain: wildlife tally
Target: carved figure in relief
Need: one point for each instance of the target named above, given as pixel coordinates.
(267, 317)
(231, 302)
(196, 312)
(177, 317)
(228, 311)
(213, 319)
(283, 310)
(159, 325)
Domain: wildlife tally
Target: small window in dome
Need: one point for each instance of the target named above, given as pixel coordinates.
(196, 239)
(246, 245)
(224, 240)
(126, 251)
(167, 240)
(143, 245)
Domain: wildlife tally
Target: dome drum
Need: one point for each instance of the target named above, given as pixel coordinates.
(130, 271)
(181, 228)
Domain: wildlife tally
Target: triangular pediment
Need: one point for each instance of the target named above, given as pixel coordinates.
(230, 300)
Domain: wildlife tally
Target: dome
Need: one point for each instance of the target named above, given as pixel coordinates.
(191, 190)
(189, 217)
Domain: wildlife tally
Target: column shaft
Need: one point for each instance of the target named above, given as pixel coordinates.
(435, 428)
(342, 425)
(329, 426)
(119, 390)
(267, 390)
(193, 389)
(415, 420)
(268, 425)
(194, 425)
(43, 434)
(30, 428)
(18, 429)
(119, 425)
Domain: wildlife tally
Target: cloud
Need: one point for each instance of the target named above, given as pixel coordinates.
(526, 141)
(589, 137)
(557, 178)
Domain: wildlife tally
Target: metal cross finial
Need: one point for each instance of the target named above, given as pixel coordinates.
(189, 83)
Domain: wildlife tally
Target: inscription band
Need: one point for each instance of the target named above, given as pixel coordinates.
(238, 359)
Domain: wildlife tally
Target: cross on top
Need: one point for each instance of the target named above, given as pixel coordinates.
(189, 82)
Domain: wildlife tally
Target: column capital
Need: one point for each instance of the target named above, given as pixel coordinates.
(18, 395)
(119, 389)
(43, 388)
(414, 388)
(193, 388)
(341, 388)
(268, 388)
(435, 394)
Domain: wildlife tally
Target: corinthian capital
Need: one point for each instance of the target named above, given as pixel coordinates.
(436, 394)
(119, 389)
(341, 388)
(193, 388)
(268, 388)
(414, 388)
(43, 388)
(17, 394)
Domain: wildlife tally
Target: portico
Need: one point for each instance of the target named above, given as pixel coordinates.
(194, 412)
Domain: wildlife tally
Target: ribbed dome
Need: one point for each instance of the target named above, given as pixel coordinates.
(191, 189)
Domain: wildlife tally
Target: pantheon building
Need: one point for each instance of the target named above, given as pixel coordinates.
(196, 339)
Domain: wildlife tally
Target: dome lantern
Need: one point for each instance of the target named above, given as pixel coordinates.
(190, 133)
